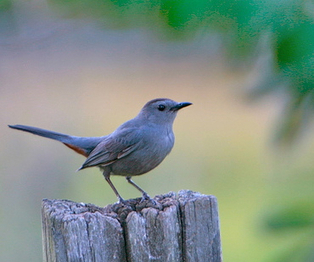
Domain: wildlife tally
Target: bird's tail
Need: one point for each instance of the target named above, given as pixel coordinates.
(82, 145)
(43, 132)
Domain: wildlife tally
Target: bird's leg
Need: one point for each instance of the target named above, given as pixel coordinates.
(107, 177)
(145, 195)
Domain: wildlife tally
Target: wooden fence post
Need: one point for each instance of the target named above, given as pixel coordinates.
(178, 227)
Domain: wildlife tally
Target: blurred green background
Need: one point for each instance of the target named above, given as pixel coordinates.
(84, 67)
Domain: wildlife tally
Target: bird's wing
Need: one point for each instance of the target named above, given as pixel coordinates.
(112, 149)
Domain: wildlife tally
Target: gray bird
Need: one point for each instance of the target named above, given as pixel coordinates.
(134, 148)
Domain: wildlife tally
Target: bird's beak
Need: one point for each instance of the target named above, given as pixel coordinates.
(180, 105)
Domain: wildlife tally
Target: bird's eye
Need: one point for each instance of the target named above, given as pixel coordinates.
(161, 107)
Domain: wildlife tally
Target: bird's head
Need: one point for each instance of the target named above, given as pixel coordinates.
(161, 110)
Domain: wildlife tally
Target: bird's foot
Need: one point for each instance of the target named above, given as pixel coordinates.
(122, 201)
(147, 198)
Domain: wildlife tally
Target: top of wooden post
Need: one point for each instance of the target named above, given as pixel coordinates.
(178, 227)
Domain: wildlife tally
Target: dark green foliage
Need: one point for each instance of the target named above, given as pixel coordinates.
(5, 5)
(296, 216)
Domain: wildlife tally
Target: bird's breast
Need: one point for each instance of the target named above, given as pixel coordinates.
(154, 146)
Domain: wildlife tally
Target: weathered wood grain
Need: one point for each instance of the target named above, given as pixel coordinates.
(177, 227)
(200, 225)
(78, 232)
(154, 235)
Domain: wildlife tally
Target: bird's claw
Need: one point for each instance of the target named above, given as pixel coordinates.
(122, 201)
(146, 197)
